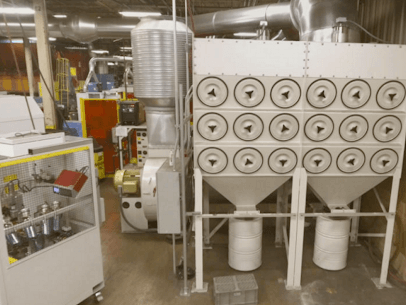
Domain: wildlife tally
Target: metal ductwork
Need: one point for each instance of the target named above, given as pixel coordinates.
(277, 15)
(314, 19)
(87, 29)
(82, 29)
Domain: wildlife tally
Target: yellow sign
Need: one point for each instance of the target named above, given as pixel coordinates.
(73, 71)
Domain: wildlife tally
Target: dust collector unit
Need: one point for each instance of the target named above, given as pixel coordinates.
(154, 74)
(153, 61)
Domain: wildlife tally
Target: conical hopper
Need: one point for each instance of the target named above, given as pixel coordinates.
(340, 191)
(246, 192)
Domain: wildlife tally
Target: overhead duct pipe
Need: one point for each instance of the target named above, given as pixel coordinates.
(277, 15)
(81, 29)
(314, 19)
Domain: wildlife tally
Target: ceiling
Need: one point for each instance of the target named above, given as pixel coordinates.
(110, 8)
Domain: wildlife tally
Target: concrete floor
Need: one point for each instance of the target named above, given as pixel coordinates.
(138, 270)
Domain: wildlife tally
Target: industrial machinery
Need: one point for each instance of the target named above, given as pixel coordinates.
(131, 113)
(151, 193)
(270, 111)
(49, 205)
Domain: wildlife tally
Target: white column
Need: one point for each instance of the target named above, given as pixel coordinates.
(45, 63)
(293, 229)
(206, 210)
(28, 63)
(300, 229)
(389, 228)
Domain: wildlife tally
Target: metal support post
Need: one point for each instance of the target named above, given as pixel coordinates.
(199, 286)
(174, 253)
(28, 63)
(389, 232)
(281, 207)
(45, 63)
(355, 222)
(120, 153)
(293, 229)
(300, 229)
(206, 210)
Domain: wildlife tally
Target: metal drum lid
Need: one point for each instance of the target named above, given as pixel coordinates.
(212, 91)
(212, 126)
(321, 93)
(284, 127)
(212, 160)
(350, 160)
(319, 127)
(356, 94)
(317, 160)
(387, 128)
(249, 92)
(248, 160)
(282, 160)
(248, 127)
(384, 161)
(391, 95)
(353, 128)
(285, 93)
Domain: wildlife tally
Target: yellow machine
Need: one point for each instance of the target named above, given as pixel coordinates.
(128, 179)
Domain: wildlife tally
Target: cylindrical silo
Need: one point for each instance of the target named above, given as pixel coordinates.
(154, 75)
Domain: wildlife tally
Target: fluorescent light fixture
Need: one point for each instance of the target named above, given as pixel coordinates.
(140, 14)
(123, 57)
(76, 48)
(60, 16)
(126, 48)
(31, 25)
(17, 10)
(245, 34)
(100, 51)
(35, 38)
(12, 40)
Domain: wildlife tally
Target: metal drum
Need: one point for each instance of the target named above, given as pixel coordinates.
(331, 242)
(245, 243)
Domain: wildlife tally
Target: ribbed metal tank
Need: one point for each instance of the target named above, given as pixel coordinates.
(331, 242)
(245, 243)
(153, 61)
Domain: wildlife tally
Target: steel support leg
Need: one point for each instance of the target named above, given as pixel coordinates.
(300, 229)
(279, 225)
(355, 222)
(293, 229)
(389, 231)
(206, 210)
(199, 286)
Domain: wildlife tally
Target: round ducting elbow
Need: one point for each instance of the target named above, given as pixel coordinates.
(80, 28)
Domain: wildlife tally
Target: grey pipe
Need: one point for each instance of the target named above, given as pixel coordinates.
(92, 67)
(278, 15)
(314, 19)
